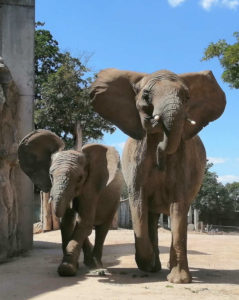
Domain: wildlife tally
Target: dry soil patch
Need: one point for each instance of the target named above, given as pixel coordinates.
(213, 260)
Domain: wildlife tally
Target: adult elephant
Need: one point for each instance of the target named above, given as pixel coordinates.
(84, 184)
(163, 160)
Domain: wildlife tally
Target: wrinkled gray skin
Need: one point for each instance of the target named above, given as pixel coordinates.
(67, 174)
(84, 188)
(168, 113)
(163, 161)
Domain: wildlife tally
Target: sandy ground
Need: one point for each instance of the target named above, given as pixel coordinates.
(213, 260)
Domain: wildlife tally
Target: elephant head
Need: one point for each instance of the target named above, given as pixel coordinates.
(66, 174)
(175, 106)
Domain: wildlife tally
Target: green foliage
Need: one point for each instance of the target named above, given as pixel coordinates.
(62, 93)
(233, 191)
(228, 56)
(47, 57)
(213, 201)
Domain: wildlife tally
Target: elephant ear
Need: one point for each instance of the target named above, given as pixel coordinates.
(113, 97)
(207, 101)
(103, 165)
(34, 155)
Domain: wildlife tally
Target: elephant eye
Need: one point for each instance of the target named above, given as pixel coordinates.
(146, 96)
(185, 96)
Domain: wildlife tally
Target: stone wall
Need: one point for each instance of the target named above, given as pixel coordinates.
(16, 120)
(8, 165)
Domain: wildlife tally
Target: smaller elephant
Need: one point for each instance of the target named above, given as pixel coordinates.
(84, 187)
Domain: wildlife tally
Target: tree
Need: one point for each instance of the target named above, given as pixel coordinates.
(228, 56)
(233, 191)
(213, 201)
(62, 97)
(47, 57)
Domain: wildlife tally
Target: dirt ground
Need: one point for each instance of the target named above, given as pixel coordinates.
(213, 260)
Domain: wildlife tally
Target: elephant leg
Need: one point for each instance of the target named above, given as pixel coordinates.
(178, 262)
(88, 256)
(153, 235)
(144, 253)
(68, 223)
(100, 235)
(82, 230)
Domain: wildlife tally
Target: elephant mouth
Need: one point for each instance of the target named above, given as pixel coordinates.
(152, 124)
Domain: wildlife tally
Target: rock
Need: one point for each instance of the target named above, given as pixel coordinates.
(37, 228)
(5, 75)
(9, 201)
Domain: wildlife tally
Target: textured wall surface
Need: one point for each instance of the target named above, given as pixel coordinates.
(9, 238)
(16, 120)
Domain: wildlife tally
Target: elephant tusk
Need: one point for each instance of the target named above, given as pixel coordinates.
(50, 199)
(191, 121)
(156, 117)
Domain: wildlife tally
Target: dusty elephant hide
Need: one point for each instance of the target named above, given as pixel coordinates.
(84, 189)
(163, 160)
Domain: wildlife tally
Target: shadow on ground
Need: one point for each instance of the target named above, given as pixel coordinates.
(36, 273)
(112, 253)
(128, 249)
(201, 276)
(215, 276)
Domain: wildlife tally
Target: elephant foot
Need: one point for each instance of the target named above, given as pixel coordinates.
(178, 275)
(148, 265)
(89, 262)
(98, 263)
(67, 269)
(93, 262)
(171, 264)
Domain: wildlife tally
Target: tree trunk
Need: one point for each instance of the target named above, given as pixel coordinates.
(169, 222)
(79, 138)
(196, 219)
(161, 220)
(190, 215)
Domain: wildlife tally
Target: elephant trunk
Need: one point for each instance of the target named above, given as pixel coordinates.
(61, 195)
(172, 118)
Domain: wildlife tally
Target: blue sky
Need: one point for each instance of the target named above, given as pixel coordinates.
(149, 35)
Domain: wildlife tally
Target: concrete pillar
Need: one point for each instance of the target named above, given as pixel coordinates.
(17, 25)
